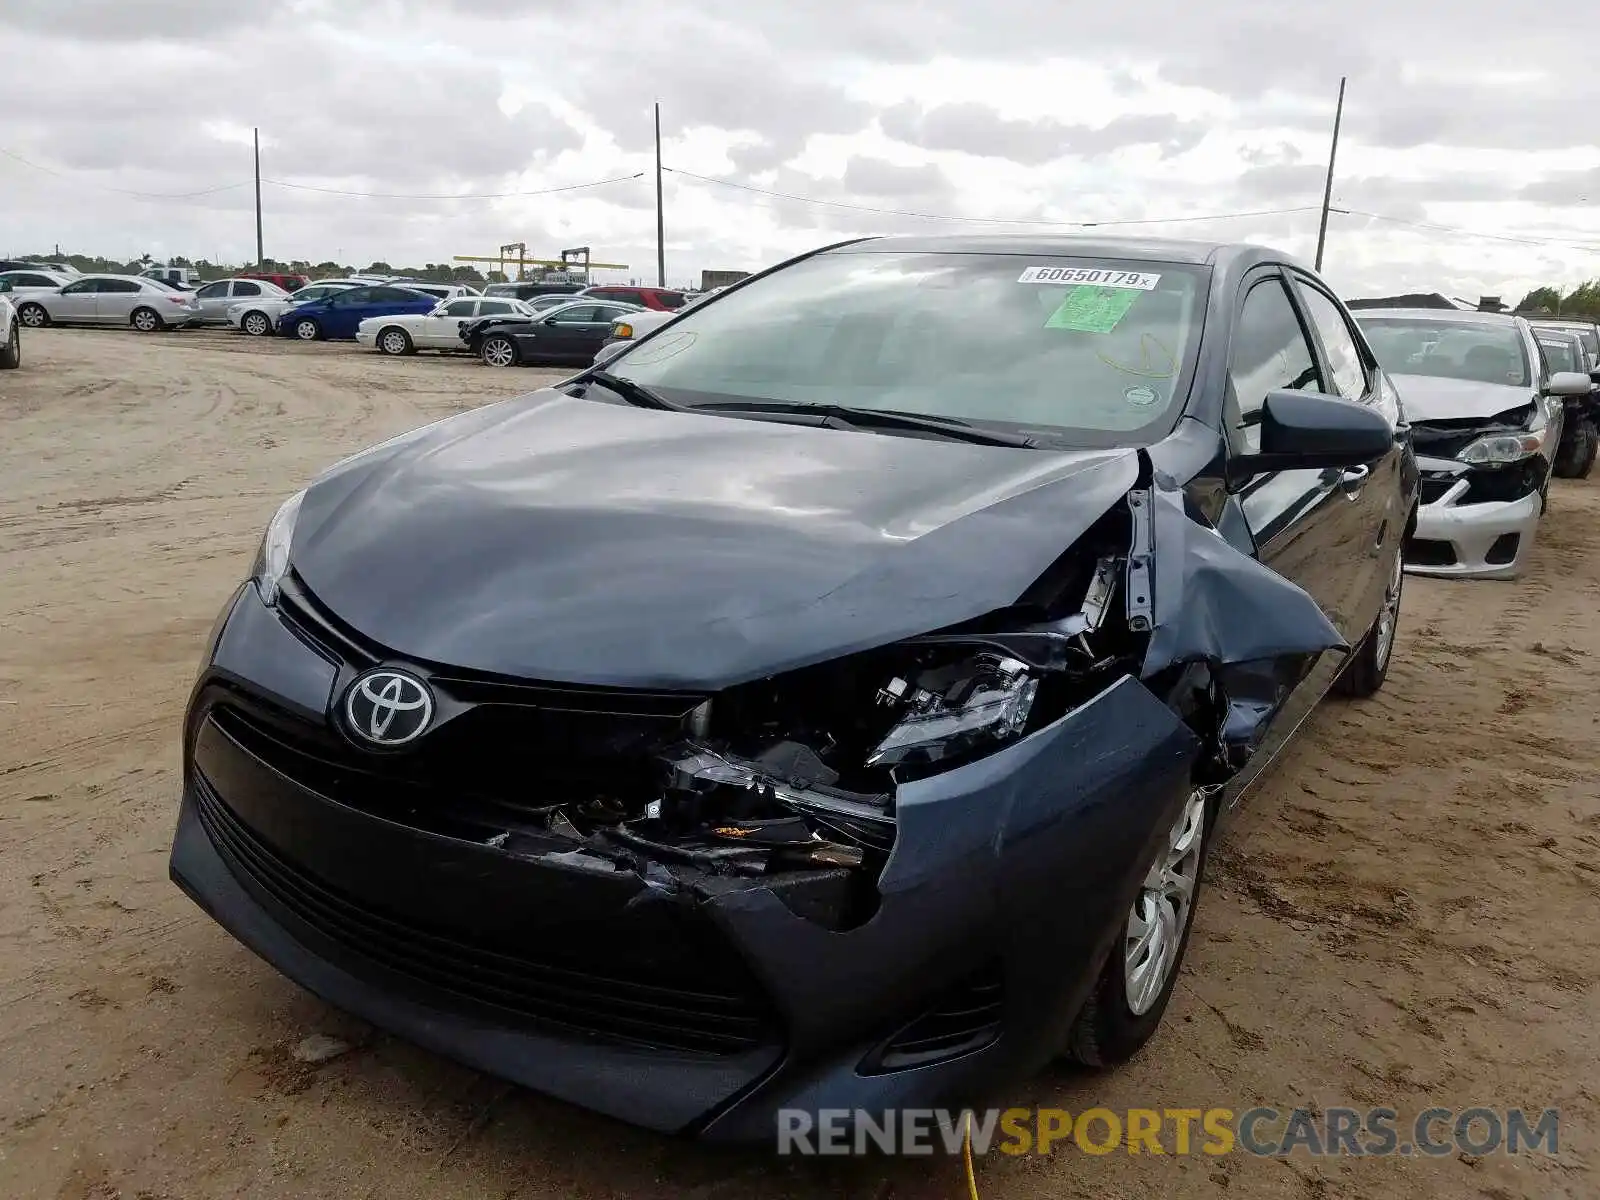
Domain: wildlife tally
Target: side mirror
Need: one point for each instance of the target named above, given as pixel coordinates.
(1311, 430)
(549, 320)
(1594, 377)
(1568, 383)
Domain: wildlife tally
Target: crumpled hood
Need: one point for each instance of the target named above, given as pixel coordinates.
(1428, 398)
(558, 538)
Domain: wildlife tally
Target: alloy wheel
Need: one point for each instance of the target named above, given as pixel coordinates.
(392, 342)
(255, 324)
(1154, 933)
(1389, 615)
(32, 316)
(146, 321)
(498, 352)
(306, 331)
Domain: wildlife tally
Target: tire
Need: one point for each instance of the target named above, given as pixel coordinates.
(498, 351)
(307, 330)
(393, 340)
(1368, 665)
(33, 316)
(1110, 1027)
(11, 352)
(256, 324)
(1591, 437)
(146, 320)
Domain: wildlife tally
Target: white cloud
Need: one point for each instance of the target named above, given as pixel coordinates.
(1024, 110)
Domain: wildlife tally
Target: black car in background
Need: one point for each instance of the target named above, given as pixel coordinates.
(830, 703)
(1565, 349)
(568, 333)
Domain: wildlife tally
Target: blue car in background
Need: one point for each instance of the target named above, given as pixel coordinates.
(338, 314)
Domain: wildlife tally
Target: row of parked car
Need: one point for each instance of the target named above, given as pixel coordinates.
(505, 324)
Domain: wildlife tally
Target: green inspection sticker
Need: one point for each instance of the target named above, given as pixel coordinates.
(1090, 309)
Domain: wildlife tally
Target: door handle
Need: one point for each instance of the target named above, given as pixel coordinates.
(1353, 479)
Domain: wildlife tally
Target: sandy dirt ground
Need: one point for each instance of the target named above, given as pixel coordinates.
(1405, 914)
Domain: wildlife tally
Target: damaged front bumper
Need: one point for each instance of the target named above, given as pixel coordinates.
(1476, 523)
(669, 996)
(694, 963)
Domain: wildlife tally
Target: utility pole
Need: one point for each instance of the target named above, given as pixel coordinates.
(661, 237)
(260, 257)
(1327, 191)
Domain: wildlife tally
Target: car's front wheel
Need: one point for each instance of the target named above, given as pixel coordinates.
(256, 324)
(11, 352)
(394, 341)
(33, 316)
(145, 320)
(1129, 998)
(498, 352)
(307, 330)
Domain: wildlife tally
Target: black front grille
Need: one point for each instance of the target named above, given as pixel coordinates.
(725, 1015)
(1426, 552)
(1513, 481)
(968, 1018)
(1433, 487)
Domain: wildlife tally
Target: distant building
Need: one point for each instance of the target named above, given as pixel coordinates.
(1491, 304)
(714, 279)
(1409, 300)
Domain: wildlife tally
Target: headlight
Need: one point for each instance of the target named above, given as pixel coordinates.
(622, 331)
(272, 559)
(957, 709)
(1503, 447)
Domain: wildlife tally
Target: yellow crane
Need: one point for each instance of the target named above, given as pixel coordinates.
(575, 259)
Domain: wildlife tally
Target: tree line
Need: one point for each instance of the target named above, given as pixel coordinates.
(1581, 301)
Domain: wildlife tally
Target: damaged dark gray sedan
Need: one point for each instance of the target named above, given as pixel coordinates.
(830, 702)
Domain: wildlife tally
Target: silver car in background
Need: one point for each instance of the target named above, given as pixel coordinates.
(218, 297)
(21, 284)
(1486, 417)
(146, 304)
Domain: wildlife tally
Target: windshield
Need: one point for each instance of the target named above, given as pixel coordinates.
(1081, 352)
(1587, 334)
(1477, 352)
(1562, 355)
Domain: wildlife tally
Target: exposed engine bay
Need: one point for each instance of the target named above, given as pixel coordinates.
(793, 778)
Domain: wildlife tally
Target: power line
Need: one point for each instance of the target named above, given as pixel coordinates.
(1518, 239)
(570, 187)
(211, 191)
(900, 212)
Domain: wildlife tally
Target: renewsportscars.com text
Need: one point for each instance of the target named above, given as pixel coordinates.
(1264, 1132)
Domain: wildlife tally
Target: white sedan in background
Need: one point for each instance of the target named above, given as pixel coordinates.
(436, 330)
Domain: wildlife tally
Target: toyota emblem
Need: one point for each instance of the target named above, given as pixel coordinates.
(388, 708)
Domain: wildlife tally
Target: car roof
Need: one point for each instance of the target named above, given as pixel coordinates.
(1443, 315)
(1145, 249)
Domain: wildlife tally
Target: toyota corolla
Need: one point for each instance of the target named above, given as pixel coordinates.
(831, 701)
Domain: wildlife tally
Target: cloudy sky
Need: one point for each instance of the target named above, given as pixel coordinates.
(413, 130)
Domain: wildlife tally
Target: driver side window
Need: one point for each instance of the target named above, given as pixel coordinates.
(1270, 353)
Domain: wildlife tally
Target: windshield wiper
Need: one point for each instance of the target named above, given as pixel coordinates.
(635, 394)
(953, 428)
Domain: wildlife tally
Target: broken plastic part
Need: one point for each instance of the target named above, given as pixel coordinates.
(1212, 603)
(1141, 555)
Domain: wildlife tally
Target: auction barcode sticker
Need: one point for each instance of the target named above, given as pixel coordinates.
(1143, 281)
